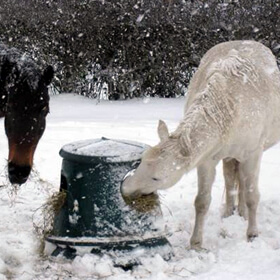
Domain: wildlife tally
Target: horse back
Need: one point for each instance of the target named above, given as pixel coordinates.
(238, 85)
(255, 63)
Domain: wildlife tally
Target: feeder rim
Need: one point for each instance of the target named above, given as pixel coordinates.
(111, 238)
(96, 241)
(70, 151)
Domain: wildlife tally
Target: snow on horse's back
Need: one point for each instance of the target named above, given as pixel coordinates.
(231, 114)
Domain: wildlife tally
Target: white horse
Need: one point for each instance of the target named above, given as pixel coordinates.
(232, 114)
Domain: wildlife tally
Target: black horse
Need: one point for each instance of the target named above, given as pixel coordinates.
(24, 102)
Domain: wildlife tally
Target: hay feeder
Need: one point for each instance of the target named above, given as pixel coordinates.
(95, 218)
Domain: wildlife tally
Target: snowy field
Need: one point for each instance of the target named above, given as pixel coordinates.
(229, 256)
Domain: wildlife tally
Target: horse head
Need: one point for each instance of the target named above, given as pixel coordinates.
(27, 106)
(161, 166)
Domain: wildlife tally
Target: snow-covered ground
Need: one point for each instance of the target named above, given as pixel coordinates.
(229, 256)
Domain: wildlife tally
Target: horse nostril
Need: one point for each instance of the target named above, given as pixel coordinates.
(18, 174)
(11, 168)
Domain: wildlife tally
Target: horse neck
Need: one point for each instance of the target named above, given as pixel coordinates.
(7, 67)
(198, 135)
(3, 104)
(3, 98)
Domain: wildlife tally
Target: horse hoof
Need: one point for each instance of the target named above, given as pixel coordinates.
(197, 249)
(228, 212)
(252, 237)
(243, 212)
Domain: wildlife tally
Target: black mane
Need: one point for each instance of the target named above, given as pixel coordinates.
(18, 65)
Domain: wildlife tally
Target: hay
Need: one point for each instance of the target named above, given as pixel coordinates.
(144, 203)
(43, 218)
(12, 189)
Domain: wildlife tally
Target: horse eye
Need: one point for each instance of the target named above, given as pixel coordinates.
(45, 110)
(155, 179)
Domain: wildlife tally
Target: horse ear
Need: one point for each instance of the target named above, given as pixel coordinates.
(162, 130)
(48, 75)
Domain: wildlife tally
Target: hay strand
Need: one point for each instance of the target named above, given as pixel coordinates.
(144, 203)
(43, 218)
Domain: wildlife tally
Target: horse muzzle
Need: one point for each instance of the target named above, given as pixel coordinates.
(18, 174)
(128, 186)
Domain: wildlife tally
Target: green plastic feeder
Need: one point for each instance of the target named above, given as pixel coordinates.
(95, 218)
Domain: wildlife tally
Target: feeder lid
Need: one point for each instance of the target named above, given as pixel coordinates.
(103, 150)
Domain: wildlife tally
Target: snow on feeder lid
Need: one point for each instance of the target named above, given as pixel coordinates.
(95, 215)
(104, 149)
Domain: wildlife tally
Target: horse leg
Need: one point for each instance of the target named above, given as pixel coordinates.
(242, 208)
(230, 174)
(248, 176)
(206, 175)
